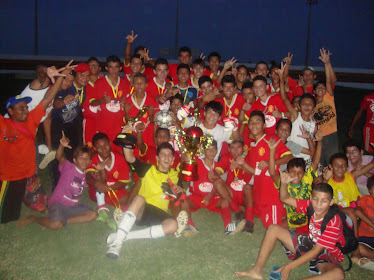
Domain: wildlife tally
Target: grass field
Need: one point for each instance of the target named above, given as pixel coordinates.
(78, 251)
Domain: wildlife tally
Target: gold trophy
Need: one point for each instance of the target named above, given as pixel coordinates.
(194, 142)
(127, 139)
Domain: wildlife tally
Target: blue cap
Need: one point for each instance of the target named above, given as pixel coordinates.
(17, 99)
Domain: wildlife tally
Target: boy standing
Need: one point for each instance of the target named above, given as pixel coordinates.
(318, 248)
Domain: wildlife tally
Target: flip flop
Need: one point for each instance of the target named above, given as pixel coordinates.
(368, 265)
(47, 159)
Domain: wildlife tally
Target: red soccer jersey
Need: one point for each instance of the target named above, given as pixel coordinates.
(332, 234)
(154, 89)
(203, 186)
(263, 187)
(236, 178)
(148, 71)
(273, 103)
(110, 115)
(367, 104)
(232, 110)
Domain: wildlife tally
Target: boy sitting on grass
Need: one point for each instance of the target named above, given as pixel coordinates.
(63, 205)
(319, 249)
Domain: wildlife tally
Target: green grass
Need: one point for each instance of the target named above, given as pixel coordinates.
(78, 252)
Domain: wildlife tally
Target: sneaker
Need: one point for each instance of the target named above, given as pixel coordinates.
(110, 238)
(113, 251)
(102, 216)
(47, 159)
(239, 216)
(189, 231)
(182, 220)
(249, 227)
(234, 227)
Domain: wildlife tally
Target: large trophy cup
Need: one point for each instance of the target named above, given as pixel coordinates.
(194, 142)
(127, 139)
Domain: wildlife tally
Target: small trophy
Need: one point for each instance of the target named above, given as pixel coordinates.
(127, 139)
(194, 142)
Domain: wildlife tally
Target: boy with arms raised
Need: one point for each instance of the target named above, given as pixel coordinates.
(63, 205)
(149, 207)
(319, 249)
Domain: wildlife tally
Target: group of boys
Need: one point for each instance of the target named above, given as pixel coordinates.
(261, 126)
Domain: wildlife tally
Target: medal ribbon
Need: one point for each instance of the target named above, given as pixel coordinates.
(80, 94)
(115, 92)
(110, 193)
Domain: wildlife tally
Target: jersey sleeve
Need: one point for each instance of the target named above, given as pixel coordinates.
(223, 164)
(140, 167)
(332, 233)
(364, 104)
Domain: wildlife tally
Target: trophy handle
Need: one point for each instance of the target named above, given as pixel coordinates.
(209, 140)
(141, 113)
(178, 133)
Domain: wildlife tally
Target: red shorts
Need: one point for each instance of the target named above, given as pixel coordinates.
(238, 197)
(119, 193)
(368, 137)
(270, 214)
(197, 202)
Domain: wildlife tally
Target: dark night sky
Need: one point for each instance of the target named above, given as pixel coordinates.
(249, 30)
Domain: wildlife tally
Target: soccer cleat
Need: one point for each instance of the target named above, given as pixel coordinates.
(249, 227)
(111, 224)
(102, 216)
(113, 251)
(234, 227)
(189, 231)
(182, 220)
(110, 238)
(47, 159)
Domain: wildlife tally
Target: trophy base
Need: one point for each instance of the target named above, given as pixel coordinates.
(125, 140)
(188, 172)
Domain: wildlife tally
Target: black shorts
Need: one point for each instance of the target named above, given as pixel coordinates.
(152, 216)
(11, 197)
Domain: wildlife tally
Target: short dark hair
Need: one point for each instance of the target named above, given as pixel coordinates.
(98, 136)
(370, 183)
(80, 150)
(260, 78)
(338, 155)
(322, 82)
(161, 61)
(261, 62)
(183, 66)
(93, 58)
(140, 75)
(323, 187)
(214, 54)
(240, 140)
(165, 145)
(296, 162)
(162, 129)
(307, 95)
(258, 113)
(228, 79)
(352, 143)
(177, 96)
(247, 85)
(138, 56)
(198, 61)
(184, 49)
(308, 69)
(245, 68)
(287, 121)
(139, 48)
(113, 58)
(215, 106)
(204, 79)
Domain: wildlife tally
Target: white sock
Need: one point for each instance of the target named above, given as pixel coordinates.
(125, 226)
(150, 232)
(100, 198)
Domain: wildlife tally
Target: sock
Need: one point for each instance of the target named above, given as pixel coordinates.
(234, 207)
(102, 208)
(100, 198)
(249, 215)
(125, 226)
(150, 232)
(226, 216)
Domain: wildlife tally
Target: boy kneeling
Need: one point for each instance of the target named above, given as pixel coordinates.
(319, 249)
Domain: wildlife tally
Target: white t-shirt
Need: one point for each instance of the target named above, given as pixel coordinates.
(308, 126)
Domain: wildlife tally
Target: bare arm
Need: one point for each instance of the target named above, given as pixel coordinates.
(226, 67)
(273, 146)
(362, 171)
(325, 58)
(64, 143)
(283, 191)
(287, 60)
(130, 39)
(355, 120)
(317, 153)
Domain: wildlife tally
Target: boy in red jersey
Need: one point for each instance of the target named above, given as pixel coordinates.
(94, 64)
(113, 179)
(110, 91)
(214, 61)
(318, 248)
(272, 106)
(184, 56)
(267, 205)
(136, 66)
(236, 190)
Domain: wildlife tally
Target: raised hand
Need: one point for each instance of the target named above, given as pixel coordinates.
(246, 106)
(318, 136)
(288, 59)
(53, 72)
(327, 173)
(101, 165)
(325, 55)
(229, 63)
(300, 81)
(105, 99)
(145, 55)
(131, 37)
(70, 98)
(64, 141)
(286, 178)
(234, 70)
(272, 143)
(281, 70)
(202, 56)
(304, 133)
